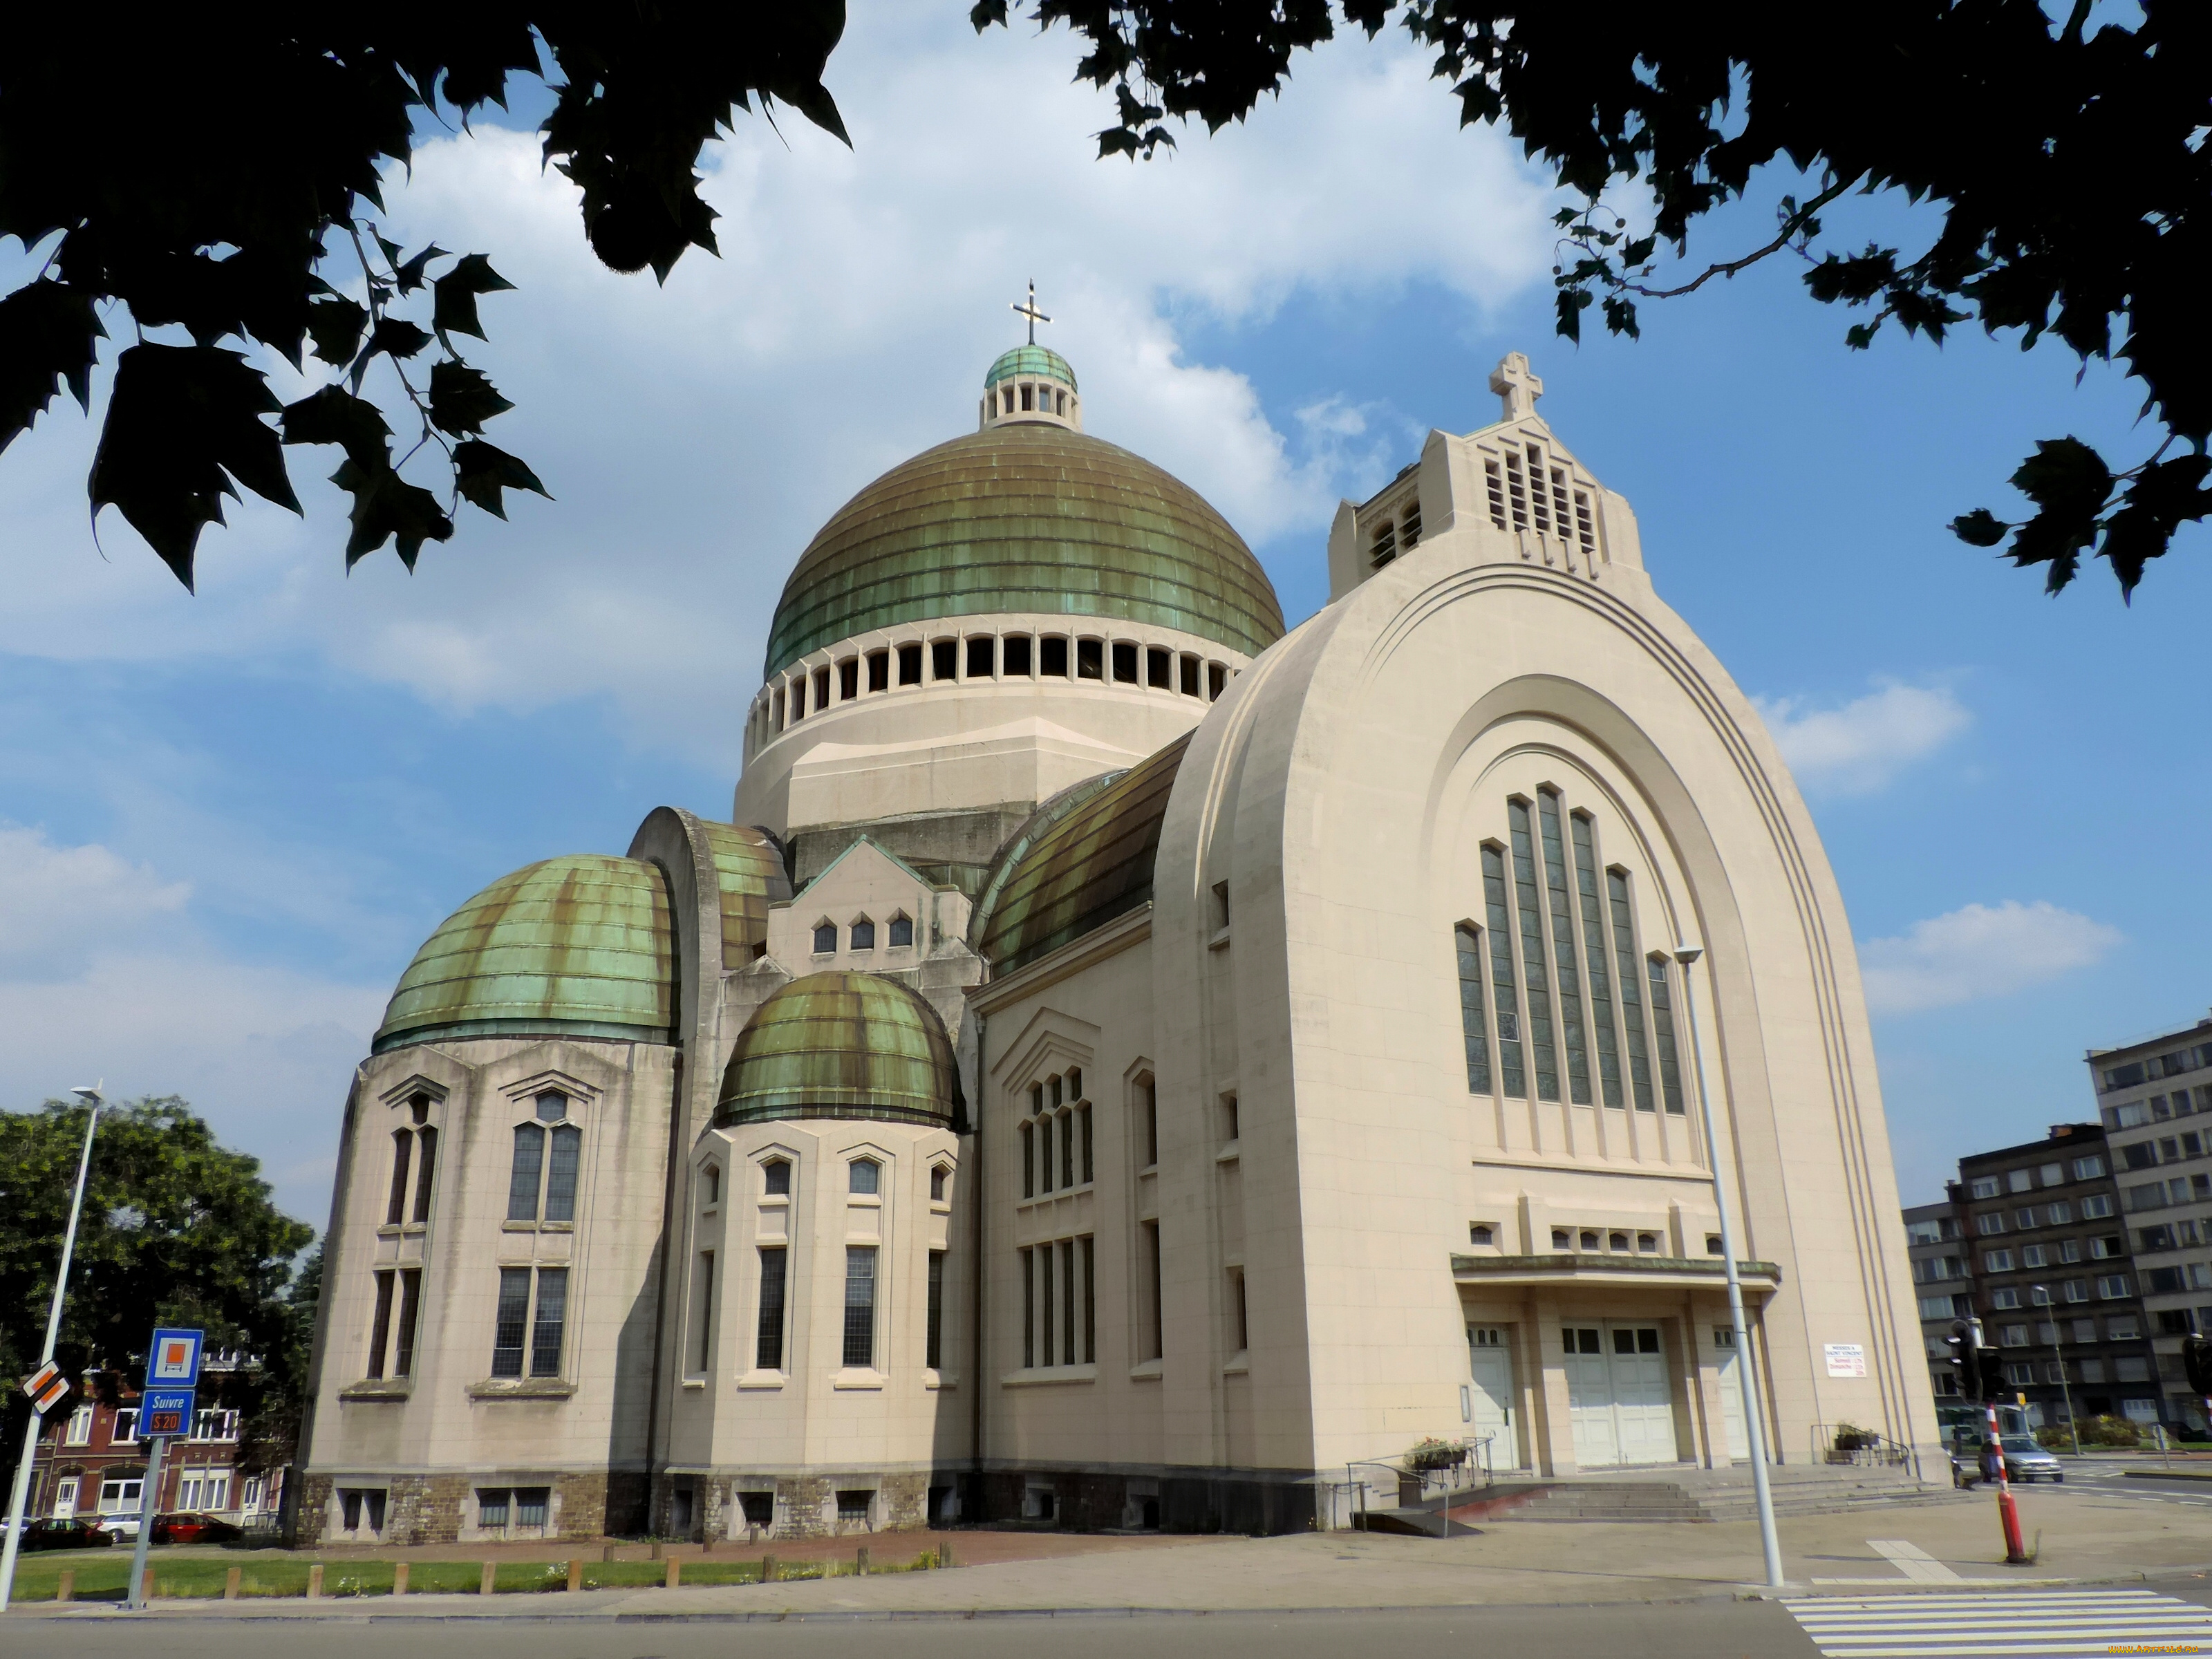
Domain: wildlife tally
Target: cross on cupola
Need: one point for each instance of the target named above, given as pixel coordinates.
(1517, 385)
(1036, 316)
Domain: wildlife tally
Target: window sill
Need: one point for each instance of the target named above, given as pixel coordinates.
(1045, 1375)
(1239, 1364)
(858, 1377)
(760, 1380)
(538, 1226)
(394, 1387)
(695, 1382)
(1230, 1153)
(1219, 941)
(522, 1387)
(936, 1379)
(1147, 1371)
(940, 1206)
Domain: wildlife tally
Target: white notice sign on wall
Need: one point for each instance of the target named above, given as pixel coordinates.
(1846, 1359)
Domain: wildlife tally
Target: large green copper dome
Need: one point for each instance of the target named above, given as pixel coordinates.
(580, 946)
(1026, 517)
(841, 1045)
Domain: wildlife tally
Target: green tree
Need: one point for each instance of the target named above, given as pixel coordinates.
(2064, 169)
(216, 174)
(176, 1230)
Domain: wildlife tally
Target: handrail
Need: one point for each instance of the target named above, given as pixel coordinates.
(1874, 1451)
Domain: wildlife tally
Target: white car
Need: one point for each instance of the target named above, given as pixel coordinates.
(123, 1527)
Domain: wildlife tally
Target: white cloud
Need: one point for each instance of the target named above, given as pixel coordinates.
(1978, 951)
(60, 904)
(1860, 747)
(696, 435)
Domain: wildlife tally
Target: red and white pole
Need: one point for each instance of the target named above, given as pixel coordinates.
(2007, 1511)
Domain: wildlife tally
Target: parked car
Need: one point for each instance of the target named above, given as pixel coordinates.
(194, 1529)
(2025, 1460)
(122, 1526)
(65, 1534)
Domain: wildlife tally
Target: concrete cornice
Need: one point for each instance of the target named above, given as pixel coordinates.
(1110, 940)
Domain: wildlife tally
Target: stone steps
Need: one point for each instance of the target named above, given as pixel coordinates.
(1710, 1499)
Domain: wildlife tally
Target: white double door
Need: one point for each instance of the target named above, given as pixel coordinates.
(1618, 1395)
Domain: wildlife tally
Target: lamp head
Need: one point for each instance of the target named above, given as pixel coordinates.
(1686, 954)
(90, 1095)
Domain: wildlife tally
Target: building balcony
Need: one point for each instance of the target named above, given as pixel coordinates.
(1655, 1272)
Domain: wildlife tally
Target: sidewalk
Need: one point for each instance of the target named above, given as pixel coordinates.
(2085, 1536)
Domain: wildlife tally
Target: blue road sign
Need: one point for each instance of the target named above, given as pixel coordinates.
(165, 1411)
(173, 1361)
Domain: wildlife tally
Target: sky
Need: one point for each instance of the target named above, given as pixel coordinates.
(226, 821)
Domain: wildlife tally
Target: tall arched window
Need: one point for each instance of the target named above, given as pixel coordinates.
(523, 1173)
(561, 1173)
(402, 1150)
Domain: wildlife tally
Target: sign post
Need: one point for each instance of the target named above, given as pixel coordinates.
(165, 1410)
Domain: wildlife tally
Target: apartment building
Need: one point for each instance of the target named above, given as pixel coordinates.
(2155, 1095)
(1942, 1279)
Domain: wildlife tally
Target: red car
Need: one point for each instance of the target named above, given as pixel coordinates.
(193, 1529)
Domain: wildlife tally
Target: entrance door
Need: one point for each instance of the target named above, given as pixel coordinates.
(1618, 1396)
(1491, 1361)
(1725, 1362)
(65, 1496)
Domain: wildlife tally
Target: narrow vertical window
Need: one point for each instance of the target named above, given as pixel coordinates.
(551, 1324)
(522, 1174)
(426, 1166)
(702, 1301)
(768, 1343)
(561, 1173)
(1505, 984)
(1544, 1052)
(1594, 955)
(1044, 1154)
(379, 1330)
(1029, 1161)
(403, 1148)
(511, 1321)
(1662, 1027)
(775, 1178)
(1155, 1308)
(1241, 1324)
(1083, 1133)
(1150, 1093)
(1067, 1149)
(1467, 942)
(859, 1306)
(1562, 948)
(1088, 1247)
(1044, 1263)
(411, 1297)
(932, 1347)
(1029, 1313)
(1068, 1301)
(1632, 1001)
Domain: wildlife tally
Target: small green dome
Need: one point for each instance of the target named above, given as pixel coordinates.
(1025, 517)
(1028, 362)
(841, 1045)
(579, 946)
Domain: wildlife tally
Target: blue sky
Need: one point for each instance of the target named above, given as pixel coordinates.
(226, 821)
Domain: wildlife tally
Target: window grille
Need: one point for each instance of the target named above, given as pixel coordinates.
(1468, 944)
(523, 1172)
(863, 935)
(531, 1504)
(1542, 507)
(1545, 1052)
(1663, 1022)
(1504, 982)
(1384, 547)
(509, 1326)
(1409, 527)
(1493, 481)
(1585, 529)
(767, 1345)
(551, 1323)
(1631, 1002)
(864, 1177)
(561, 1173)
(933, 1341)
(860, 1351)
(1594, 955)
(1563, 947)
(1560, 510)
(901, 932)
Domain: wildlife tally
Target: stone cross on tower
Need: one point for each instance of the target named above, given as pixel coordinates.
(1035, 317)
(1515, 385)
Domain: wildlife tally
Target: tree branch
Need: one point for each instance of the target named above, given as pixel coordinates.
(1796, 222)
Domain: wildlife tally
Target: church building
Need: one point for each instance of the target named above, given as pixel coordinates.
(1123, 1060)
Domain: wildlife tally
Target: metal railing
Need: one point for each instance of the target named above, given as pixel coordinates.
(1867, 1448)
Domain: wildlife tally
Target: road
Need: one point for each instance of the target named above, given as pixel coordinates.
(2168, 1616)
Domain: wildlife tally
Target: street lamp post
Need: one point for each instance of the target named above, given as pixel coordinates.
(2041, 1296)
(21, 1495)
(1754, 1423)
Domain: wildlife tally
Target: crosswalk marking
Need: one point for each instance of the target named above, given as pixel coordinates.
(2021, 1624)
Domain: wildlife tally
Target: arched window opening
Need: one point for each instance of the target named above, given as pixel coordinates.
(939, 1175)
(561, 1173)
(523, 1173)
(863, 935)
(825, 937)
(403, 1153)
(775, 1178)
(864, 1176)
(710, 1181)
(902, 931)
(426, 1165)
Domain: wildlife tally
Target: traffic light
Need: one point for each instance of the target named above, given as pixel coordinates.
(1967, 1365)
(2197, 1360)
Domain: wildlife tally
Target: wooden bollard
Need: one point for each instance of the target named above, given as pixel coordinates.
(860, 1562)
(490, 1572)
(768, 1570)
(606, 1552)
(575, 1572)
(314, 1580)
(660, 1550)
(675, 1574)
(399, 1578)
(232, 1580)
(65, 1586)
(944, 1553)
